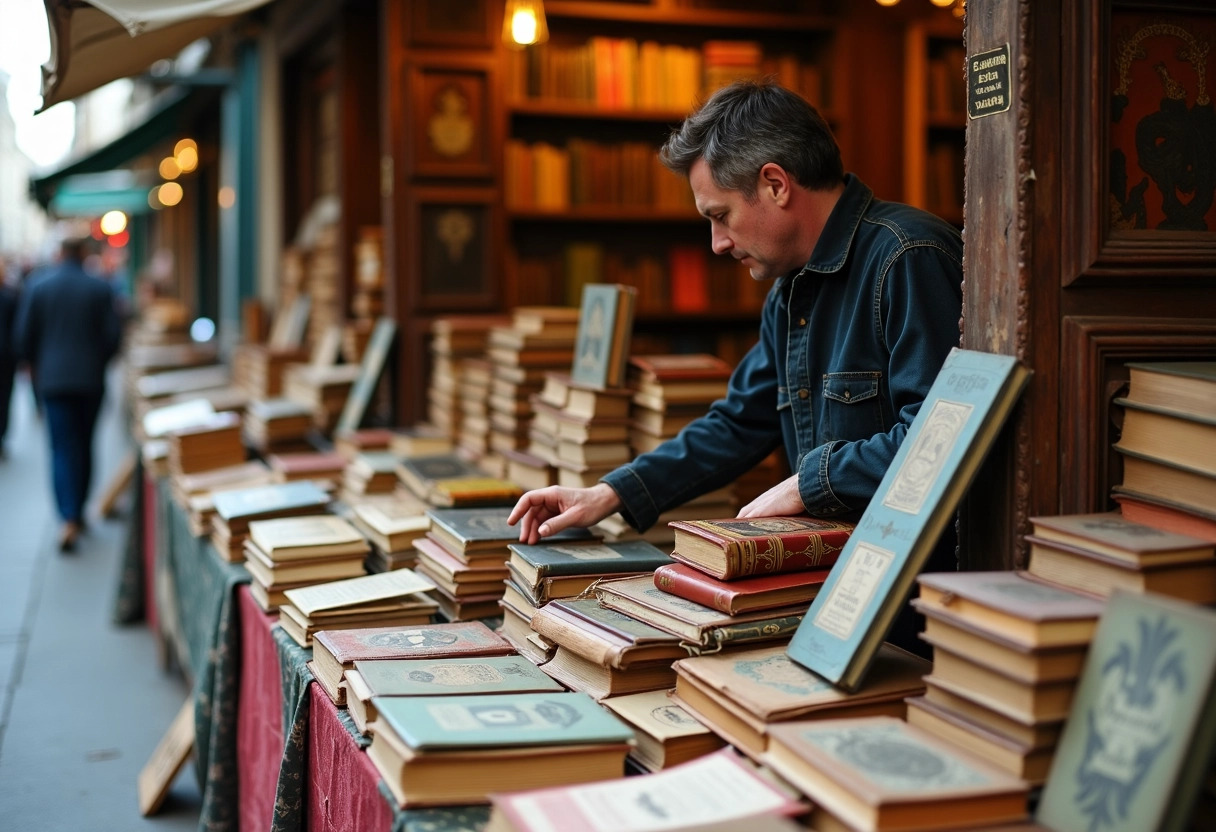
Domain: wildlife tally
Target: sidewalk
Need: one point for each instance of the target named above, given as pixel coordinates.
(83, 702)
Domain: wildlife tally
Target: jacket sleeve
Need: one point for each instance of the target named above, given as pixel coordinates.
(921, 303)
(25, 330)
(714, 450)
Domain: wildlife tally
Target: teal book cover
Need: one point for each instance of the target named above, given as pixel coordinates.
(489, 524)
(462, 723)
(593, 345)
(542, 561)
(959, 420)
(1138, 741)
(439, 467)
(263, 499)
(442, 677)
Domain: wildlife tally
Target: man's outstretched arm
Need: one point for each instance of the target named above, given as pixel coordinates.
(546, 511)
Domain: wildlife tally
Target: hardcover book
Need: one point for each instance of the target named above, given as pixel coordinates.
(239, 506)
(676, 368)
(667, 734)
(1180, 483)
(1188, 386)
(881, 773)
(1162, 514)
(605, 327)
(604, 636)
(697, 625)
(719, 788)
(1022, 761)
(464, 530)
(1011, 606)
(353, 592)
(1098, 574)
(736, 548)
(392, 525)
(742, 693)
(434, 677)
(535, 563)
(959, 420)
(1169, 435)
(1109, 533)
(763, 592)
(419, 473)
(309, 536)
(1137, 743)
(475, 491)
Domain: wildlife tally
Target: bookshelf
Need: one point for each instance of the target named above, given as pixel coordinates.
(585, 197)
(935, 118)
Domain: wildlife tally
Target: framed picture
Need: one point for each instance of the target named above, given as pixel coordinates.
(1137, 157)
(452, 23)
(452, 134)
(456, 248)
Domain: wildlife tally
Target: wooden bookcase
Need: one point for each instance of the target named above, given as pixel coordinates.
(935, 117)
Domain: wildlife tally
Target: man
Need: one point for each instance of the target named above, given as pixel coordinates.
(865, 308)
(68, 330)
(8, 360)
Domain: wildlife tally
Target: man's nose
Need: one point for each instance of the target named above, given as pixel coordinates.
(720, 241)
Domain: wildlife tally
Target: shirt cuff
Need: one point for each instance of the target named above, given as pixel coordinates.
(637, 505)
(813, 484)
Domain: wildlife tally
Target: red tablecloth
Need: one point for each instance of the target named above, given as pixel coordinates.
(259, 741)
(342, 782)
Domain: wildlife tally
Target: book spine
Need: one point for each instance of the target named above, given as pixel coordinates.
(777, 554)
(689, 588)
(576, 640)
(770, 629)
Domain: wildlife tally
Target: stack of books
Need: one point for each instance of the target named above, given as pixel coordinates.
(449, 480)
(527, 470)
(369, 472)
(1099, 553)
(602, 652)
(258, 368)
(473, 435)
(351, 443)
(381, 649)
(877, 772)
(1168, 447)
(669, 392)
(741, 694)
(307, 465)
(667, 734)
(391, 599)
(587, 435)
(157, 389)
(540, 339)
(465, 553)
(545, 572)
(453, 338)
(453, 750)
(1007, 653)
(391, 523)
(292, 552)
(236, 509)
(215, 443)
(193, 491)
(280, 425)
(421, 439)
(323, 390)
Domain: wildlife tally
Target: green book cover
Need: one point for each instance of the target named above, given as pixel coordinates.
(265, 499)
(442, 677)
(489, 524)
(461, 723)
(1138, 741)
(618, 623)
(959, 420)
(439, 467)
(550, 560)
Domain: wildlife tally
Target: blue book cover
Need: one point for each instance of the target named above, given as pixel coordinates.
(444, 677)
(961, 416)
(1138, 741)
(266, 499)
(461, 723)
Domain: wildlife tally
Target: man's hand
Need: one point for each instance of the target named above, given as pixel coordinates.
(782, 500)
(546, 511)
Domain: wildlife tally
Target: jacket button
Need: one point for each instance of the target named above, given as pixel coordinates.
(804, 393)
(846, 394)
(802, 322)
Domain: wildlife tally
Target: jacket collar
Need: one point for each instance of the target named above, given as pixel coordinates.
(838, 232)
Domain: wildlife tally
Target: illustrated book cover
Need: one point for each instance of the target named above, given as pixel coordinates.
(741, 547)
(959, 420)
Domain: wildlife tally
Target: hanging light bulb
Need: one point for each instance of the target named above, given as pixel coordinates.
(524, 23)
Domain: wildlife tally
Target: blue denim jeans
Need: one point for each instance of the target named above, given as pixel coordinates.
(70, 420)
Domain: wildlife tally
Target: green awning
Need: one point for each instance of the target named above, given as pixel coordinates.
(92, 194)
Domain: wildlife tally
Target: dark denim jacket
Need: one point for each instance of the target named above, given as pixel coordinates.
(848, 348)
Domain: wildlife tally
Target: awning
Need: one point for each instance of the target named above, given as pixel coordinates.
(95, 43)
(171, 113)
(92, 194)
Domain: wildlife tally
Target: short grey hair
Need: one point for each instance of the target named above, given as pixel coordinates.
(746, 125)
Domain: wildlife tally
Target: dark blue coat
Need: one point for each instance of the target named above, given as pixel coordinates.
(68, 329)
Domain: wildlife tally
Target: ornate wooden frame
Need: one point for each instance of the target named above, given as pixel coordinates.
(452, 106)
(437, 288)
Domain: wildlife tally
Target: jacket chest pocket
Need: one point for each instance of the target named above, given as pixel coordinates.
(852, 408)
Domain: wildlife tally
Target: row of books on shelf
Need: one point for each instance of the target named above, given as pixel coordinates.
(947, 74)
(622, 74)
(543, 176)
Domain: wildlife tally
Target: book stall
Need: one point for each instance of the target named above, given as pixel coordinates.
(371, 647)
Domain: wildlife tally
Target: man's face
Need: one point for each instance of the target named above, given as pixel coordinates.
(758, 234)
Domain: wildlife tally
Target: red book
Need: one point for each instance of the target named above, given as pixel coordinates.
(689, 272)
(1151, 511)
(739, 548)
(742, 595)
(680, 367)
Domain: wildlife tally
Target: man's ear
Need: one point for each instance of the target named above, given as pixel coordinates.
(774, 183)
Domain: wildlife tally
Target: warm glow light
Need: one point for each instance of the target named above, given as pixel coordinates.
(524, 23)
(154, 198)
(113, 222)
(183, 144)
(119, 240)
(886, 2)
(187, 159)
(169, 169)
(170, 194)
(227, 196)
(942, 3)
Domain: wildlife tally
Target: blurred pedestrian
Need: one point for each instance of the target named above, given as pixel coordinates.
(8, 355)
(68, 330)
